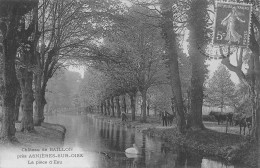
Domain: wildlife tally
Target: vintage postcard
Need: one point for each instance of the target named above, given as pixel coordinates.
(129, 84)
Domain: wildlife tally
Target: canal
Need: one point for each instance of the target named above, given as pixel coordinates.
(103, 145)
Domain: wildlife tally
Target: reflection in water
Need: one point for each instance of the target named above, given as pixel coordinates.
(105, 143)
(209, 163)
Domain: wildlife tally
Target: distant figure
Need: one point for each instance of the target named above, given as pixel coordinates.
(230, 118)
(169, 118)
(124, 116)
(164, 118)
(243, 121)
(163, 149)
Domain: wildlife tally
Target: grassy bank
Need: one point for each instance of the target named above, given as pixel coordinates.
(231, 147)
(43, 136)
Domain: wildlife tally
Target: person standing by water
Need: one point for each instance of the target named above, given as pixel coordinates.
(164, 118)
(230, 22)
(124, 116)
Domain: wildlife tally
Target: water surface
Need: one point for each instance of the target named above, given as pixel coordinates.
(104, 143)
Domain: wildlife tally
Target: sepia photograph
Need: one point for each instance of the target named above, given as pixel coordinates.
(129, 83)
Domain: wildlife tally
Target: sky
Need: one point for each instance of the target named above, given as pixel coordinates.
(79, 69)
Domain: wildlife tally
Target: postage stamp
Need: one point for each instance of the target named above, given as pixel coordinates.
(232, 24)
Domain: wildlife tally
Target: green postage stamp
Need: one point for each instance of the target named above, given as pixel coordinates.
(232, 24)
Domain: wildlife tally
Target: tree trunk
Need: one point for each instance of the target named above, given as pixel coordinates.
(133, 103)
(27, 100)
(254, 71)
(148, 109)
(171, 49)
(10, 81)
(198, 36)
(222, 100)
(155, 110)
(97, 109)
(112, 106)
(101, 107)
(108, 106)
(124, 103)
(257, 126)
(41, 107)
(173, 106)
(253, 94)
(18, 99)
(255, 48)
(40, 101)
(118, 109)
(105, 107)
(195, 118)
(143, 106)
(10, 90)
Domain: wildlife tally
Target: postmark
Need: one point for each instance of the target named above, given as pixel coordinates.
(232, 24)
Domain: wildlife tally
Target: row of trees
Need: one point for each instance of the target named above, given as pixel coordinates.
(38, 37)
(95, 85)
(147, 40)
(140, 49)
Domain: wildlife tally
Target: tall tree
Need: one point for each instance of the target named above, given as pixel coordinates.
(221, 89)
(198, 35)
(17, 103)
(171, 47)
(11, 11)
(28, 39)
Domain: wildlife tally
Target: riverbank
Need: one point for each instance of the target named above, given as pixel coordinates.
(233, 148)
(43, 136)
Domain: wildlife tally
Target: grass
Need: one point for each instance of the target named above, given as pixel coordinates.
(230, 147)
(42, 136)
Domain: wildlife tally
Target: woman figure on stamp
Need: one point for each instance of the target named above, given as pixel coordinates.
(229, 21)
